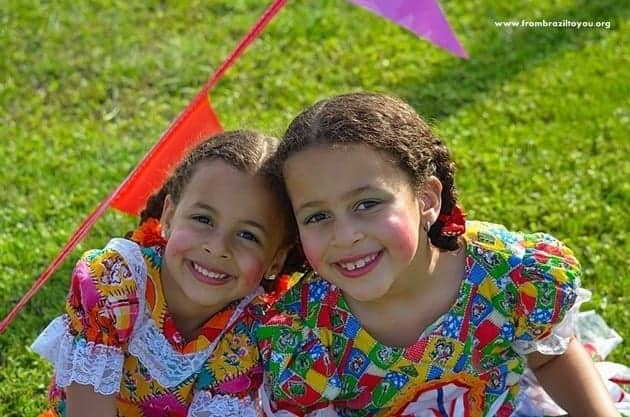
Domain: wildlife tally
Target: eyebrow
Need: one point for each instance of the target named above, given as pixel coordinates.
(356, 191)
(252, 223)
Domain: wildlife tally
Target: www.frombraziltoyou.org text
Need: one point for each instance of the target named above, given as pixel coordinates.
(565, 24)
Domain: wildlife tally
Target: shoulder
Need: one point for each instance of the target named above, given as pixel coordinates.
(531, 277)
(539, 256)
(296, 334)
(107, 287)
(113, 267)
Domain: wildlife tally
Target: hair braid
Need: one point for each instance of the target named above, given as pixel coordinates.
(445, 172)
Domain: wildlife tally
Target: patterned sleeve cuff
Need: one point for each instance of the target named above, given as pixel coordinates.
(556, 343)
(76, 360)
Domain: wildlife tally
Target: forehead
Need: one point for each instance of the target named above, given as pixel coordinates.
(235, 193)
(323, 171)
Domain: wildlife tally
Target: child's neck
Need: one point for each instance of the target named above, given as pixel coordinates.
(427, 290)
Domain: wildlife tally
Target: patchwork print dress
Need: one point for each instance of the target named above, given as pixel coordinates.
(513, 300)
(118, 337)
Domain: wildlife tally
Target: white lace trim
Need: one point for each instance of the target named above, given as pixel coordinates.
(87, 363)
(164, 363)
(79, 361)
(204, 404)
(556, 343)
(101, 366)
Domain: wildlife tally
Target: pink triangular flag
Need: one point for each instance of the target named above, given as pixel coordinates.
(422, 17)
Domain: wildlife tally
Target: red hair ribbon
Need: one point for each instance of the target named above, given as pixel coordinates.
(453, 223)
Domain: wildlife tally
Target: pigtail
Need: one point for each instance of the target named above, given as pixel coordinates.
(440, 234)
(153, 208)
(155, 205)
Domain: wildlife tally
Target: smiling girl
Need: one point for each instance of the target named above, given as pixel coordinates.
(161, 324)
(412, 311)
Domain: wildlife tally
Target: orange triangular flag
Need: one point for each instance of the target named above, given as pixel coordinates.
(196, 123)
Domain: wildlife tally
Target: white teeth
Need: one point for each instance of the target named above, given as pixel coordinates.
(209, 274)
(359, 263)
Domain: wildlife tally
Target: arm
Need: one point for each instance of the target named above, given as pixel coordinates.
(82, 400)
(85, 346)
(573, 382)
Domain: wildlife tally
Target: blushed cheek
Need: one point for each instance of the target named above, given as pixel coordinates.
(179, 242)
(312, 251)
(252, 273)
(403, 235)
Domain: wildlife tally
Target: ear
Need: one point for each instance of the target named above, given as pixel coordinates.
(430, 200)
(168, 211)
(278, 261)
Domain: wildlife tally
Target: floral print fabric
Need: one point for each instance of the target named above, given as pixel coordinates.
(115, 294)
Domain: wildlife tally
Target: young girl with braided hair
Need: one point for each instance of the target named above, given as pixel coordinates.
(411, 311)
(161, 323)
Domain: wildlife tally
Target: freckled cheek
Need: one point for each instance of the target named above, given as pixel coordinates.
(402, 233)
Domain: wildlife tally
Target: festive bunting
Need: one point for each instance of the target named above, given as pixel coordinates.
(194, 124)
(422, 17)
(198, 121)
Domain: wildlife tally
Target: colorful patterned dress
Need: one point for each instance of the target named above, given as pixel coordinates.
(118, 337)
(516, 291)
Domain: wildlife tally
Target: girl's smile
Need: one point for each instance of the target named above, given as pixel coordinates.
(211, 276)
(358, 266)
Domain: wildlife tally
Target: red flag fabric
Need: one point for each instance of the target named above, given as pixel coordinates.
(196, 122)
(194, 125)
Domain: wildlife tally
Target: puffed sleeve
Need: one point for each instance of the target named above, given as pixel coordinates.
(86, 344)
(300, 374)
(548, 294)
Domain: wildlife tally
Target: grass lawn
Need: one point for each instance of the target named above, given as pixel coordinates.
(538, 120)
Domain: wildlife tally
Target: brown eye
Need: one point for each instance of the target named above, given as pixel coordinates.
(248, 236)
(203, 219)
(315, 218)
(367, 204)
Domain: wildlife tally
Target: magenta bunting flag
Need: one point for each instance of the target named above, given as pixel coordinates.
(422, 17)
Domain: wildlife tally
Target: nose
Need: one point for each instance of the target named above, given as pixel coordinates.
(346, 233)
(216, 247)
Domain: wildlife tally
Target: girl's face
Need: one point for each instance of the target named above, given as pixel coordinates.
(358, 216)
(224, 235)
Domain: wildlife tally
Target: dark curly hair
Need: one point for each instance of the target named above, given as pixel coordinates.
(387, 124)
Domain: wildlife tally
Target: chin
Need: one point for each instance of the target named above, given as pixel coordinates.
(367, 294)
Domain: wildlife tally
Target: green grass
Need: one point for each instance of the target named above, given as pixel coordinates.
(538, 120)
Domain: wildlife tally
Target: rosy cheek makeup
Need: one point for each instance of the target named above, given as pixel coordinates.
(403, 235)
(253, 274)
(180, 241)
